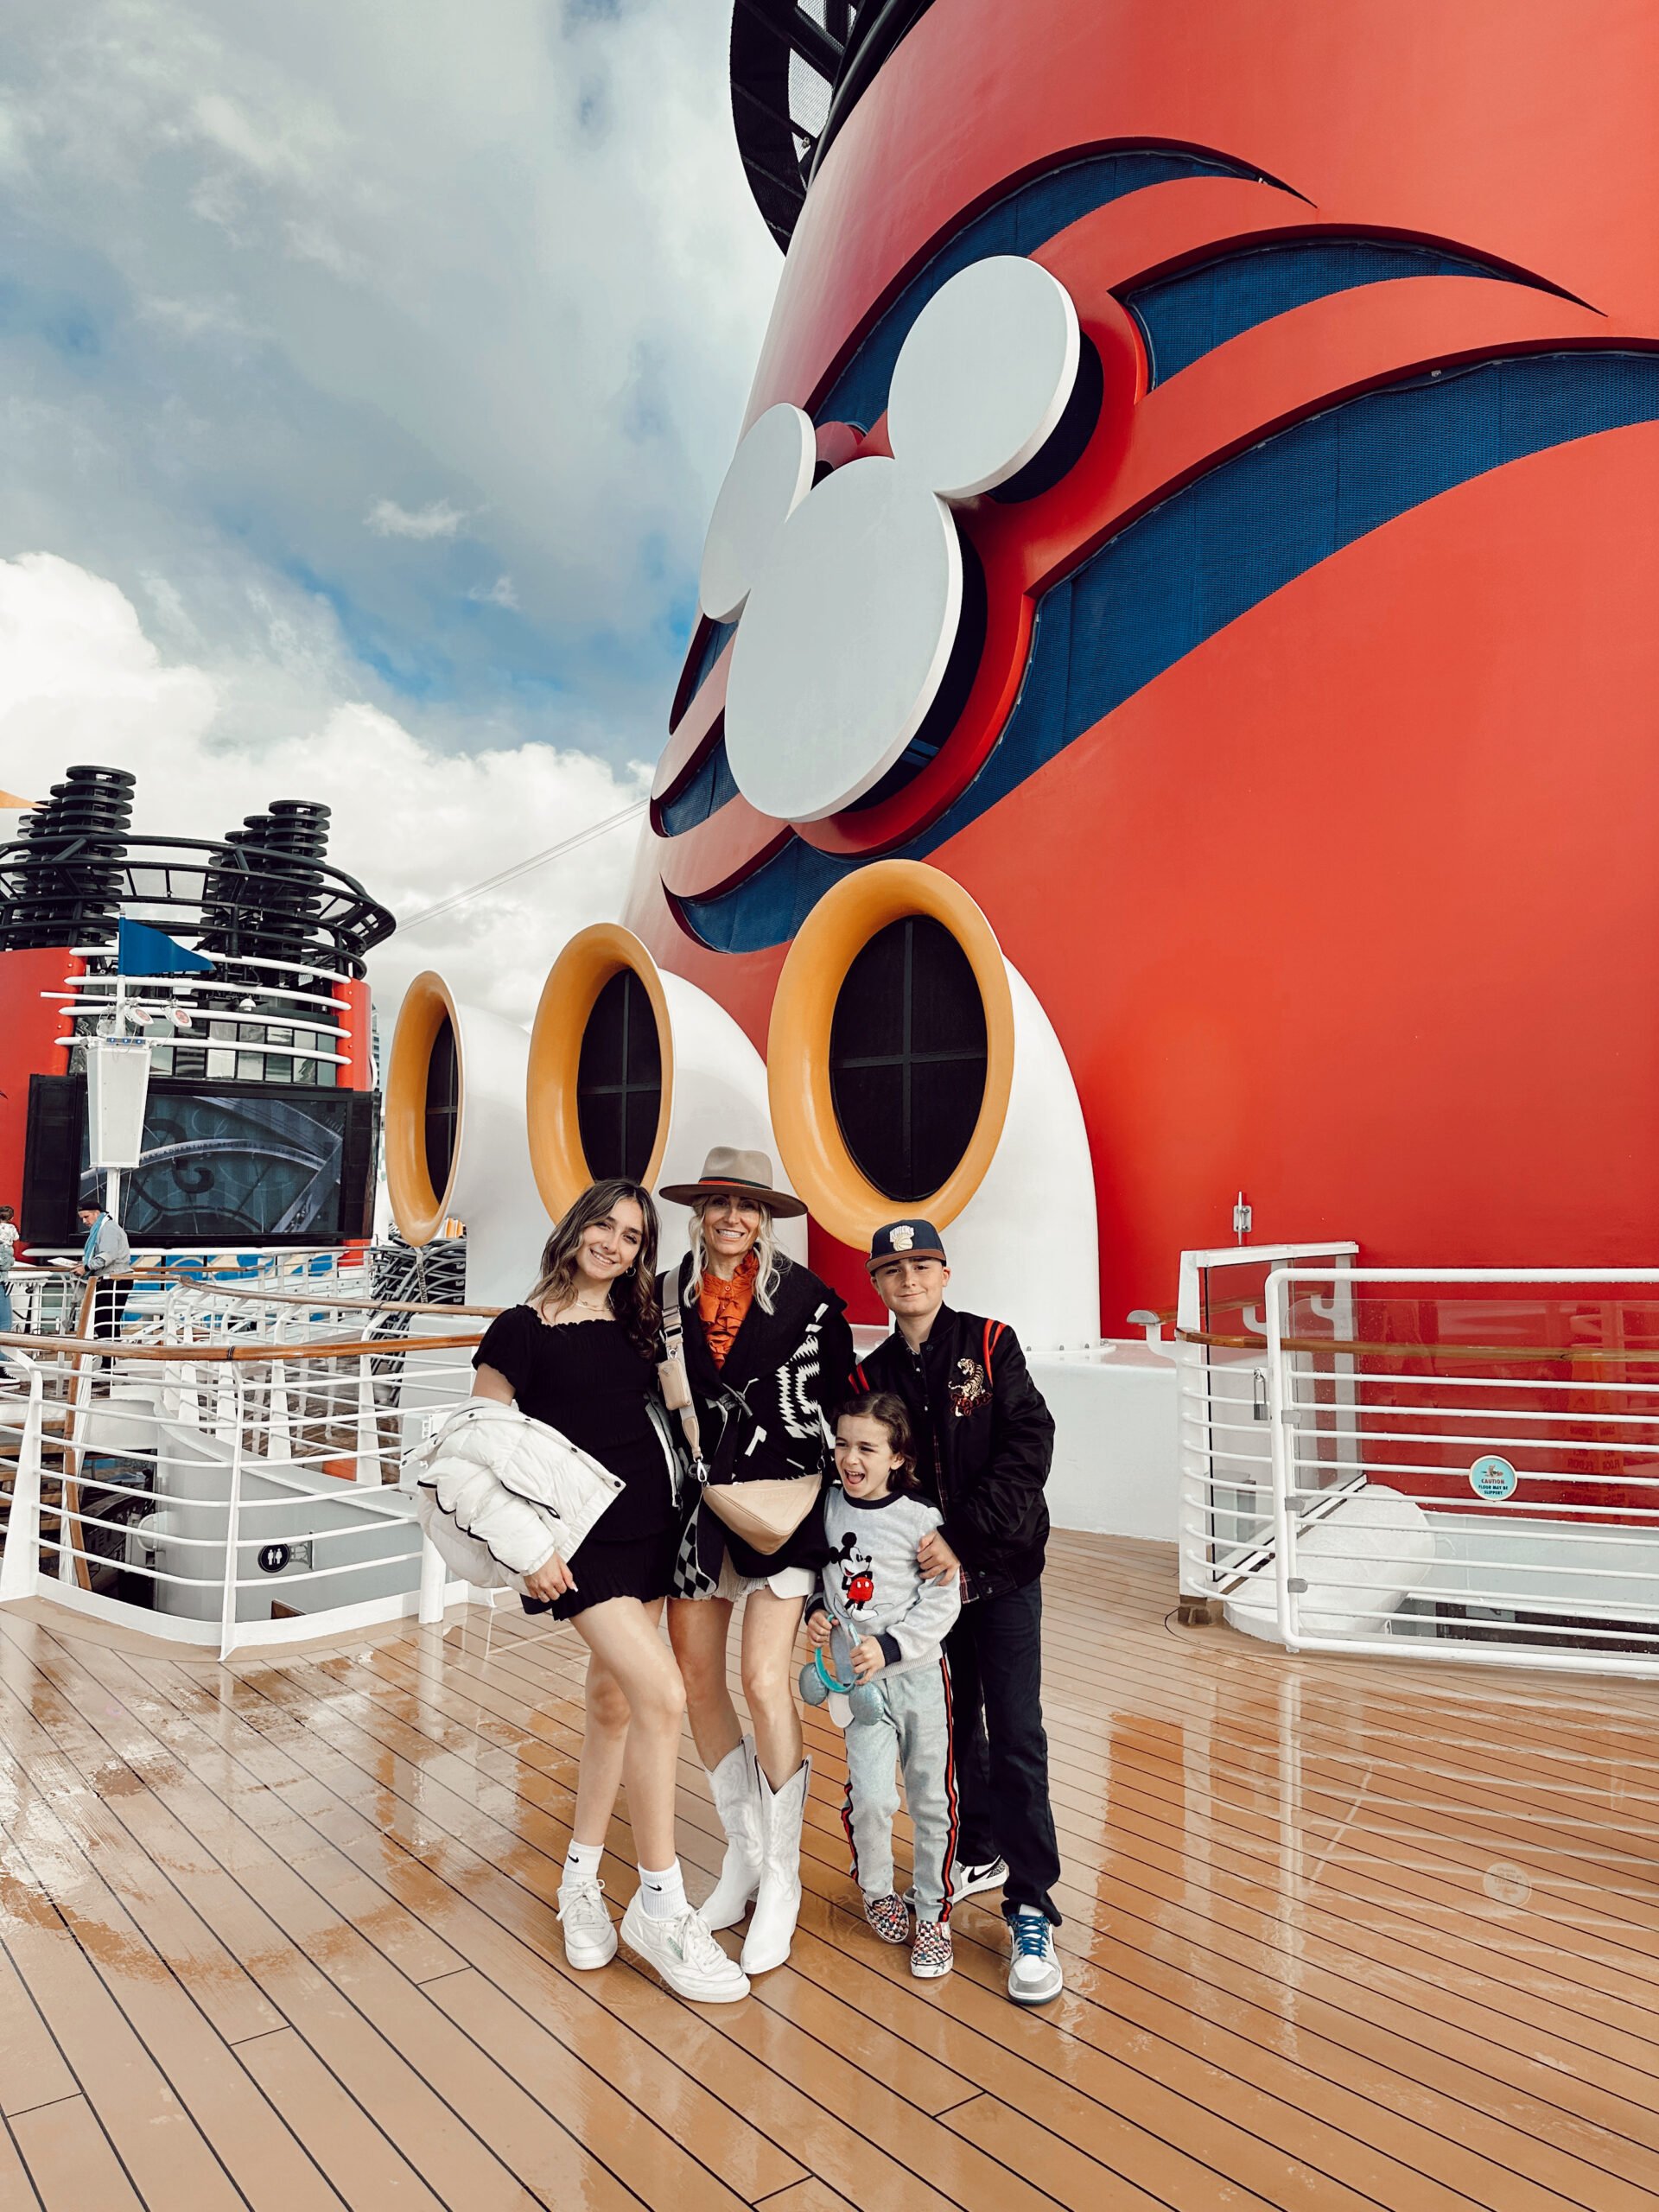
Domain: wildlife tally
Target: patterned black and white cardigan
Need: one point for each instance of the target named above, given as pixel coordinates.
(769, 1412)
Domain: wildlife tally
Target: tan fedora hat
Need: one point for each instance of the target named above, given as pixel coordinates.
(744, 1175)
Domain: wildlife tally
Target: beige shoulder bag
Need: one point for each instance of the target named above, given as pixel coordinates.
(766, 1513)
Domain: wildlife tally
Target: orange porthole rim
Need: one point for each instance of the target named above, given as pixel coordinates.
(841, 1196)
(418, 1210)
(569, 997)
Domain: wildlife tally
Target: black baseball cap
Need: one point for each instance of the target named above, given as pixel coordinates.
(905, 1240)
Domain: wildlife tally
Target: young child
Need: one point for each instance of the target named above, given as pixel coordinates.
(891, 1624)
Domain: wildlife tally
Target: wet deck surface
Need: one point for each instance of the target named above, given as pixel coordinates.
(280, 1935)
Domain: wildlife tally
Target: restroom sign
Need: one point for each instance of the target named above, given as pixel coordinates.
(1492, 1479)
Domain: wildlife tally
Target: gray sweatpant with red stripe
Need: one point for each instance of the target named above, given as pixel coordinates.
(911, 1727)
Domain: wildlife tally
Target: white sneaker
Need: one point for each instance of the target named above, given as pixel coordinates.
(589, 1938)
(686, 1955)
(1035, 1976)
(967, 1879)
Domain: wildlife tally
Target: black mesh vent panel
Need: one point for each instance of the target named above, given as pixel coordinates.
(907, 1058)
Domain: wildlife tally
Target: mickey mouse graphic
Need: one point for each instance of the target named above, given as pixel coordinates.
(857, 1579)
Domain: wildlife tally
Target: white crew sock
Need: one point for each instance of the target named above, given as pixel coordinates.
(663, 1896)
(581, 1861)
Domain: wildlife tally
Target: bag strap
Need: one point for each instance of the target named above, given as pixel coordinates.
(994, 1331)
(674, 1344)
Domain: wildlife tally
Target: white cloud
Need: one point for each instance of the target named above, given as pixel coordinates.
(387, 519)
(501, 592)
(80, 680)
(270, 271)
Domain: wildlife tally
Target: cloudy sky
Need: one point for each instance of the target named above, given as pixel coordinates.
(367, 370)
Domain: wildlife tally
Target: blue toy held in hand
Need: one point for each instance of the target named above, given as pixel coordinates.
(828, 1680)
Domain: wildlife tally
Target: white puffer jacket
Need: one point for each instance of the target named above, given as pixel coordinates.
(499, 1494)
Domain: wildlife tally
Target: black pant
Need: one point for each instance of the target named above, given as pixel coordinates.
(109, 1307)
(995, 1651)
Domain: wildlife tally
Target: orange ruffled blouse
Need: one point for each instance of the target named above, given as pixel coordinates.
(723, 1305)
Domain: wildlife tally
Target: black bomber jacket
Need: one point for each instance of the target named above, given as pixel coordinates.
(985, 1440)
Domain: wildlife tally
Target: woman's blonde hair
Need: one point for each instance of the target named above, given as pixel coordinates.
(768, 1274)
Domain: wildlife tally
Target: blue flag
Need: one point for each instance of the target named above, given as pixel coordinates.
(141, 950)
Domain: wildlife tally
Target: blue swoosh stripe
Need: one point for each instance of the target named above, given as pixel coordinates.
(1032, 214)
(1187, 315)
(1218, 547)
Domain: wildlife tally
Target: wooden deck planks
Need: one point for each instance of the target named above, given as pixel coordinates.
(1339, 1935)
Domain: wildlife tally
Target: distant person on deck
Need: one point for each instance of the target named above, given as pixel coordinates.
(984, 1440)
(7, 1260)
(105, 1252)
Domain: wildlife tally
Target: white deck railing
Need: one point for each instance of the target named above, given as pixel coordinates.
(1494, 1433)
(1221, 1360)
(225, 1471)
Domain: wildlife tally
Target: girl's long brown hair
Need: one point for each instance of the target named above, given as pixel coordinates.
(632, 1296)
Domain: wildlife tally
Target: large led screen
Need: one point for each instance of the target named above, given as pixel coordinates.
(222, 1163)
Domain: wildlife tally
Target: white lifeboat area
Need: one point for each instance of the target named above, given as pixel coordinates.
(225, 1471)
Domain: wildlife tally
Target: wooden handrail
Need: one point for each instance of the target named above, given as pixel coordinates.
(211, 1355)
(299, 1297)
(1493, 1352)
(185, 1278)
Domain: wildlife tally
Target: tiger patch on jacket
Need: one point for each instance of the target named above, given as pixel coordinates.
(971, 1390)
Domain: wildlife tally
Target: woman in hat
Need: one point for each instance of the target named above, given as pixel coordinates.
(767, 1354)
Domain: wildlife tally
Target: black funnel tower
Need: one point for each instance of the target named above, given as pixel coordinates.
(264, 891)
(68, 875)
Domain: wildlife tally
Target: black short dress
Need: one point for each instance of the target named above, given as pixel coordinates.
(586, 1379)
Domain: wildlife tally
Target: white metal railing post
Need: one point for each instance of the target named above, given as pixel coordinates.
(368, 1424)
(20, 1559)
(232, 1526)
(1281, 1414)
(432, 1583)
(227, 1403)
(78, 1422)
(279, 1434)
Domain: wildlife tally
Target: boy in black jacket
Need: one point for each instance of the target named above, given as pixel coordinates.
(985, 1439)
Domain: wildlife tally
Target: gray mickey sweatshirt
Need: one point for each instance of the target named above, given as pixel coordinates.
(872, 1587)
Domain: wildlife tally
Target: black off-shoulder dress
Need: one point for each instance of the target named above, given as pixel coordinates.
(586, 1379)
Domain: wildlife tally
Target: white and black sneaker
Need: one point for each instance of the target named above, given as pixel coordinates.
(1034, 1973)
(969, 1877)
(685, 1954)
(589, 1938)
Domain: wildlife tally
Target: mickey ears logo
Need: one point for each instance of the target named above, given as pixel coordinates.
(850, 594)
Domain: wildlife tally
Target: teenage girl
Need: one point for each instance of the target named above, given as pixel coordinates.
(580, 1354)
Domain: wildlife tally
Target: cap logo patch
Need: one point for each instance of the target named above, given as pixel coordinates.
(902, 1239)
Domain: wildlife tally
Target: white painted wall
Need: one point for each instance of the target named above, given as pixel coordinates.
(493, 1190)
(1117, 1468)
(1032, 1220)
(719, 1097)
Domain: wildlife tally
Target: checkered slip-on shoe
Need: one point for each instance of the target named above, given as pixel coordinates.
(890, 1918)
(930, 1954)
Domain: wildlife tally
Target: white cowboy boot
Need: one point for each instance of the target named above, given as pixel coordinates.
(733, 1785)
(778, 1904)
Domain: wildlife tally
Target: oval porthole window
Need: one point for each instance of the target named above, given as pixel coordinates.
(442, 1112)
(619, 1079)
(907, 1058)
